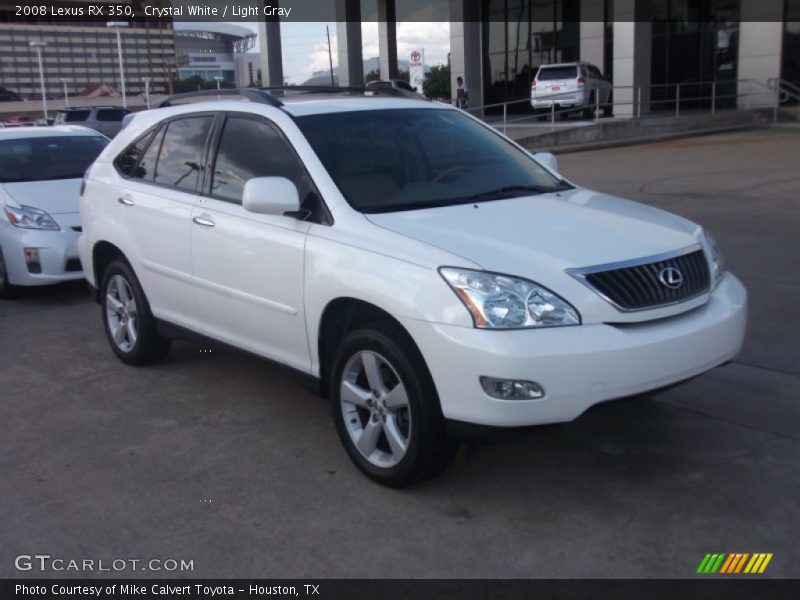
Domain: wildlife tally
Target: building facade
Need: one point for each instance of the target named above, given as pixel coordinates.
(209, 50)
(85, 54)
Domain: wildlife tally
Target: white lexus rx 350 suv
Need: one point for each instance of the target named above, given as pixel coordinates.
(430, 272)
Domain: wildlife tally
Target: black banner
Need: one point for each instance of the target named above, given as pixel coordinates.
(564, 11)
(360, 589)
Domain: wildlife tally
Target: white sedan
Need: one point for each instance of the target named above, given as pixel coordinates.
(40, 180)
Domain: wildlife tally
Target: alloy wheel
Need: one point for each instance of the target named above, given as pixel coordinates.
(122, 313)
(376, 409)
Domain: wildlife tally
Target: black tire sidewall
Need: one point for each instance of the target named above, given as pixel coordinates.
(145, 323)
(424, 411)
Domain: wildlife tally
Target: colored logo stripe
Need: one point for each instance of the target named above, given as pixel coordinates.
(735, 562)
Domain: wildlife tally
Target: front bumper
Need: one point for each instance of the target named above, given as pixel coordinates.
(578, 366)
(58, 252)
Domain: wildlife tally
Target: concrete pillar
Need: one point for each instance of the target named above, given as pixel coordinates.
(592, 29)
(632, 49)
(387, 39)
(465, 49)
(760, 48)
(269, 33)
(348, 40)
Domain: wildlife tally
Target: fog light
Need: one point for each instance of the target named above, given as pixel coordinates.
(32, 260)
(511, 389)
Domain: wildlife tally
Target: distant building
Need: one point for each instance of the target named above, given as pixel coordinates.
(248, 70)
(86, 54)
(209, 50)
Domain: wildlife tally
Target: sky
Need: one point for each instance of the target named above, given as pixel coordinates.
(305, 47)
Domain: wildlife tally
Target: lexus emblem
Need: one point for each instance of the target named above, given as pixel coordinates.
(670, 277)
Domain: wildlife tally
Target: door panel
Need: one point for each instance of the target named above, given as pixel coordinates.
(248, 277)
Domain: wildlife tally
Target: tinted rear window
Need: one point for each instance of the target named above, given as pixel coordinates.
(41, 158)
(551, 73)
(73, 116)
(111, 114)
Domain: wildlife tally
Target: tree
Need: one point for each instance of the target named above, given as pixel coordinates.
(437, 82)
(195, 82)
(373, 75)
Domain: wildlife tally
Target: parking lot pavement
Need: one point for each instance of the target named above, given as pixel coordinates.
(220, 458)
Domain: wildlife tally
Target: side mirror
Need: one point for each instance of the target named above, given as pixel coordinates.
(548, 160)
(270, 196)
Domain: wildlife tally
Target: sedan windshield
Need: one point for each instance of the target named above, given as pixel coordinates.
(391, 160)
(42, 158)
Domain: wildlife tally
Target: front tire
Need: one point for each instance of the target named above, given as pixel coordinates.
(386, 409)
(129, 324)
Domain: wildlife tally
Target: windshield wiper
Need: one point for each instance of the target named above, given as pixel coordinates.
(509, 191)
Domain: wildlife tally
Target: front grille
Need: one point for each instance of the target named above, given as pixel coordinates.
(640, 286)
(73, 264)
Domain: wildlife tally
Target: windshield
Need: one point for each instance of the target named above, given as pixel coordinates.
(552, 73)
(75, 116)
(41, 158)
(390, 160)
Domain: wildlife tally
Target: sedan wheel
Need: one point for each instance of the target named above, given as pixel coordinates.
(375, 408)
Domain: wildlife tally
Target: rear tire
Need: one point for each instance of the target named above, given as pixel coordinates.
(588, 111)
(7, 291)
(129, 324)
(386, 409)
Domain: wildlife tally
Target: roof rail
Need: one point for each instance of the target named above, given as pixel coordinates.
(261, 96)
(313, 89)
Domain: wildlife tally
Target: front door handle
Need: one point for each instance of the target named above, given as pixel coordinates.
(126, 200)
(203, 221)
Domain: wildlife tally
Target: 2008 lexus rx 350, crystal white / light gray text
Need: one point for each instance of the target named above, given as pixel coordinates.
(429, 271)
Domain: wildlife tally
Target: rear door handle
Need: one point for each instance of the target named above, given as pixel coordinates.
(126, 200)
(203, 221)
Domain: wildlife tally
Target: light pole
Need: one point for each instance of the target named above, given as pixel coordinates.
(116, 26)
(66, 80)
(147, 81)
(38, 45)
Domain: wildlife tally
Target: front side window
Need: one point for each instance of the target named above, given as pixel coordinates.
(390, 160)
(43, 158)
(181, 157)
(251, 148)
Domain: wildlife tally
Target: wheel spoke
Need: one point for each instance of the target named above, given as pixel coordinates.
(372, 369)
(130, 327)
(119, 334)
(397, 442)
(124, 295)
(113, 303)
(354, 394)
(397, 398)
(369, 438)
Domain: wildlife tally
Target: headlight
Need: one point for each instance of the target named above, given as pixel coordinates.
(28, 217)
(717, 260)
(503, 302)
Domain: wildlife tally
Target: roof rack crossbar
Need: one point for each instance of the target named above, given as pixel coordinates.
(261, 96)
(315, 89)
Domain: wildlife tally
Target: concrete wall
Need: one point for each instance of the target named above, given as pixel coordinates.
(760, 47)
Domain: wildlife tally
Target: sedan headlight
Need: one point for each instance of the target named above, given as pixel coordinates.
(504, 302)
(717, 260)
(28, 217)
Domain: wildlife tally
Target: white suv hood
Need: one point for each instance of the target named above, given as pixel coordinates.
(536, 235)
(55, 197)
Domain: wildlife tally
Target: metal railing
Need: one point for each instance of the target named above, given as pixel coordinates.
(786, 92)
(655, 100)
